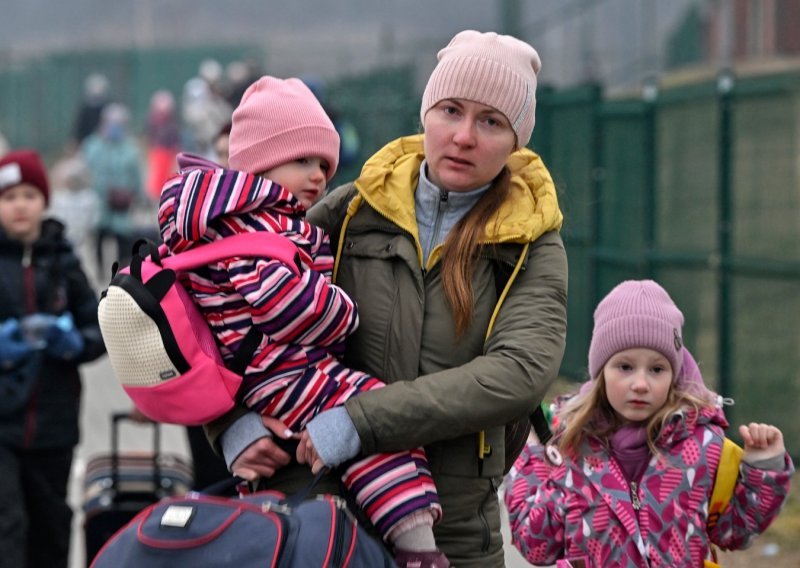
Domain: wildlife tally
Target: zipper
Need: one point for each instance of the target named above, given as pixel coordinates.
(29, 299)
(637, 505)
(487, 536)
(437, 223)
(339, 523)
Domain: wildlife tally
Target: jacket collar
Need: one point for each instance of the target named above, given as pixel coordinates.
(390, 177)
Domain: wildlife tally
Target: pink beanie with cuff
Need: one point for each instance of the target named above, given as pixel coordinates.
(496, 70)
(278, 121)
(636, 313)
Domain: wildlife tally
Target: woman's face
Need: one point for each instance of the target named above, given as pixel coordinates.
(466, 144)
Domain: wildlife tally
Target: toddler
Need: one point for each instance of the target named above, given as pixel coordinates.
(283, 151)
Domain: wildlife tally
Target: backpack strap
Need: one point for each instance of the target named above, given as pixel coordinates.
(256, 244)
(725, 481)
(503, 279)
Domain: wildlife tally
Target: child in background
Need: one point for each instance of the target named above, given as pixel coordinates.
(74, 202)
(627, 479)
(283, 151)
(48, 327)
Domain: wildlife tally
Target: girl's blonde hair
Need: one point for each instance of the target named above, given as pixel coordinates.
(461, 249)
(591, 414)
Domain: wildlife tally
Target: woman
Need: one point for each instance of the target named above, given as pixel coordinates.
(422, 236)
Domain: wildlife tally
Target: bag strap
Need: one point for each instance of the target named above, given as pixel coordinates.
(256, 244)
(725, 481)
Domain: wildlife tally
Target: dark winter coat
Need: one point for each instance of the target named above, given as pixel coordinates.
(55, 283)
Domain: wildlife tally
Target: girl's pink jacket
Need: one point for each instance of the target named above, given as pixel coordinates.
(586, 507)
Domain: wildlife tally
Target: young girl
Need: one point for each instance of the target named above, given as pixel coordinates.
(283, 150)
(628, 477)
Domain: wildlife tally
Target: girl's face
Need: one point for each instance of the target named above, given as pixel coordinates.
(637, 383)
(466, 144)
(21, 210)
(305, 178)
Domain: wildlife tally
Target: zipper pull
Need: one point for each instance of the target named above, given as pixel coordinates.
(27, 254)
(635, 496)
(443, 196)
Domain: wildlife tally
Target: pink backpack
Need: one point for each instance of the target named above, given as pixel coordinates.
(160, 346)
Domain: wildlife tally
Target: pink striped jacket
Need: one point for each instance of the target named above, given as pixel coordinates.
(305, 319)
(587, 508)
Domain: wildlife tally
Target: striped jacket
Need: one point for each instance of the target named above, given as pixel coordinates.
(304, 319)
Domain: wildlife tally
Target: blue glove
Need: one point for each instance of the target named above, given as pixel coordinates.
(13, 347)
(64, 341)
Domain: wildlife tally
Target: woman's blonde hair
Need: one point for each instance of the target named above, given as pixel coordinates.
(591, 414)
(461, 249)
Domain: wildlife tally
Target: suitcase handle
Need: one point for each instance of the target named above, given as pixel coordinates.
(118, 417)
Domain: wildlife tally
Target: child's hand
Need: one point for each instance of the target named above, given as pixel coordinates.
(761, 442)
(306, 453)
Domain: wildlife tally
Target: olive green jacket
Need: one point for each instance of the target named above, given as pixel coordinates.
(444, 390)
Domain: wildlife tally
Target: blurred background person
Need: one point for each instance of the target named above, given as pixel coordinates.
(48, 328)
(95, 98)
(204, 110)
(74, 203)
(163, 138)
(114, 161)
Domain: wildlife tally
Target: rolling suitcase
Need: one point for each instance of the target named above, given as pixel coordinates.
(118, 485)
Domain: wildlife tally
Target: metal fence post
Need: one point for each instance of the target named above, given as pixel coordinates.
(725, 86)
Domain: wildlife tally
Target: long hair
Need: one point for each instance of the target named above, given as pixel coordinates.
(590, 413)
(460, 250)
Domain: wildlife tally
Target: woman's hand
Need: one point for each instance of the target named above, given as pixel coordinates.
(263, 457)
(761, 442)
(306, 453)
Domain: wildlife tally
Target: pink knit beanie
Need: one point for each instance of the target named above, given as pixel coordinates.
(637, 313)
(278, 121)
(491, 69)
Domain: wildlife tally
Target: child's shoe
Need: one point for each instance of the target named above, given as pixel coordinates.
(416, 559)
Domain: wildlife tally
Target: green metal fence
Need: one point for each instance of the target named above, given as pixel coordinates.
(698, 188)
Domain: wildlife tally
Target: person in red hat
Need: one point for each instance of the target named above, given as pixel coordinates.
(48, 327)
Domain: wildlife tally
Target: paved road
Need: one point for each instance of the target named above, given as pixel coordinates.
(102, 396)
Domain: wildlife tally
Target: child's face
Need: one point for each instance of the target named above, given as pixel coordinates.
(221, 149)
(305, 178)
(21, 210)
(637, 382)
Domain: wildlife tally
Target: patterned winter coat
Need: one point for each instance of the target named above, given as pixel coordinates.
(304, 318)
(586, 507)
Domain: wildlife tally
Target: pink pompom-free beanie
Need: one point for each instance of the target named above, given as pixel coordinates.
(277, 121)
(636, 313)
(491, 69)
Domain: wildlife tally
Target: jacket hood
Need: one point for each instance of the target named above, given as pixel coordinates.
(197, 203)
(532, 210)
